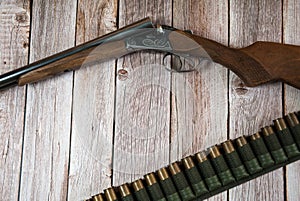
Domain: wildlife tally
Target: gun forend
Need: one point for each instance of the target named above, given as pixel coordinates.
(73, 58)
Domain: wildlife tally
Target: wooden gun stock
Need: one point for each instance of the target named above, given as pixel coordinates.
(256, 64)
(281, 61)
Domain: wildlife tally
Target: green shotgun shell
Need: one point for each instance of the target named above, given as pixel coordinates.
(294, 126)
(181, 182)
(99, 197)
(125, 193)
(209, 175)
(273, 145)
(154, 188)
(261, 151)
(286, 138)
(167, 185)
(140, 191)
(220, 166)
(247, 155)
(234, 162)
(110, 194)
(194, 176)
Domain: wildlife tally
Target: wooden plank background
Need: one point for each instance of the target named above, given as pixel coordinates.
(70, 137)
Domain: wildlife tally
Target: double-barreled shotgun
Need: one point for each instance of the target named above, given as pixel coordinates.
(218, 168)
(256, 64)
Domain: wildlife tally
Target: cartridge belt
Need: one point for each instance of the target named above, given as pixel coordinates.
(218, 168)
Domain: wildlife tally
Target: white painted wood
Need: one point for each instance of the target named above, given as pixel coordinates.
(142, 117)
(158, 117)
(45, 162)
(93, 107)
(14, 34)
(252, 108)
(142, 123)
(291, 21)
(199, 101)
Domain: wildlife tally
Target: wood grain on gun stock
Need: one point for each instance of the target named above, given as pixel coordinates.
(256, 64)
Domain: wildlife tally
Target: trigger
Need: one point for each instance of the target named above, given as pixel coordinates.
(176, 62)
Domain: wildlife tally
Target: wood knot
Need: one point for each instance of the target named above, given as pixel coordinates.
(25, 44)
(22, 17)
(241, 89)
(122, 74)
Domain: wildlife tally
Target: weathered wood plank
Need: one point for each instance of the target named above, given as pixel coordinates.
(48, 110)
(199, 104)
(144, 104)
(252, 108)
(14, 34)
(93, 106)
(291, 30)
(141, 142)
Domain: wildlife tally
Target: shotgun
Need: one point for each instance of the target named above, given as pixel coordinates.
(256, 64)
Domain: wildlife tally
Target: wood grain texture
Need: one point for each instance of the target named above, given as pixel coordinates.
(142, 117)
(274, 59)
(199, 101)
(246, 66)
(93, 106)
(125, 125)
(252, 108)
(45, 161)
(291, 30)
(14, 34)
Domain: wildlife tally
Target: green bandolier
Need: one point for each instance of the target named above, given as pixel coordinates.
(218, 168)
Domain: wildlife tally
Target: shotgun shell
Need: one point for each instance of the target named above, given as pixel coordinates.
(140, 191)
(167, 185)
(286, 138)
(125, 193)
(110, 194)
(220, 166)
(247, 155)
(294, 126)
(260, 150)
(234, 162)
(210, 177)
(194, 176)
(98, 197)
(154, 188)
(181, 183)
(273, 145)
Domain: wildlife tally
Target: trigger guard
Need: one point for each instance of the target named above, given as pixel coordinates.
(172, 69)
(179, 69)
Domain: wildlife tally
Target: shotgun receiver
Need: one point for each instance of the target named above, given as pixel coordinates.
(256, 64)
